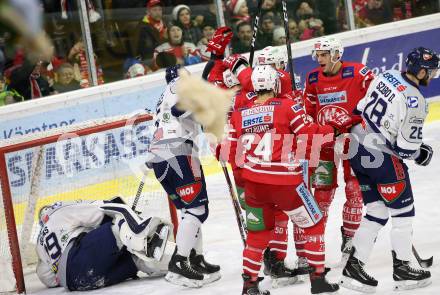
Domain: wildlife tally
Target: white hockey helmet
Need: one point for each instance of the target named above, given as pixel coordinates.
(332, 44)
(272, 55)
(265, 77)
(229, 79)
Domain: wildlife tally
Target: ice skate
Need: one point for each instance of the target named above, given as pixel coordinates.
(181, 273)
(303, 269)
(280, 275)
(320, 285)
(252, 287)
(407, 277)
(211, 271)
(347, 243)
(355, 278)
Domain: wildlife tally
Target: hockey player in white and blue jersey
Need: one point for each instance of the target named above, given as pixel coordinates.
(177, 167)
(393, 111)
(86, 245)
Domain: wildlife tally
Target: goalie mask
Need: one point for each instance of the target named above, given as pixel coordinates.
(331, 44)
(272, 56)
(265, 77)
(423, 58)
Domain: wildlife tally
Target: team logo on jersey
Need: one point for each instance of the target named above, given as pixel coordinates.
(391, 191)
(348, 72)
(364, 71)
(189, 192)
(412, 102)
(296, 108)
(332, 97)
(328, 113)
(262, 118)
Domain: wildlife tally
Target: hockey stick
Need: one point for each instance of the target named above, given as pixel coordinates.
(238, 214)
(289, 47)
(425, 263)
(139, 191)
(254, 32)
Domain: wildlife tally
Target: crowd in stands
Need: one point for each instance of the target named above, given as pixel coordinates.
(132, 38)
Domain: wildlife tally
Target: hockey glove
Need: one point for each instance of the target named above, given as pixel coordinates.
(343, 122)
(233, 62)
(425, 155)
(221, 38)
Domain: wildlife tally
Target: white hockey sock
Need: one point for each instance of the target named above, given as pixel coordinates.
(186, 238)
(199, 244)
(365, 238)
(401, 237)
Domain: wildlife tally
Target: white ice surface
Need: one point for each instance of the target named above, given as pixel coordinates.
(223, 244)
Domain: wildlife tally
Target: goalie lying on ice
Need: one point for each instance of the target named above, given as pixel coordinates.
(85, 245)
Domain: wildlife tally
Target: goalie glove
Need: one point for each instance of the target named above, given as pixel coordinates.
(342, 123)
(425, 155)
(233, 62)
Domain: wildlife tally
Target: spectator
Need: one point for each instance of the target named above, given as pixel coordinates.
(269, 7)
(239, 12)
(375, 12)
(207, 16)
(26, 79)
(293, 31)
(304, 11)
(182, 17)
(186, 53)
(208, 30)
(279, 36)
(77, 56)
(8, 96)
(242, 42)
(65, 79)
(152, 30)
(265, 34)
(311, 28)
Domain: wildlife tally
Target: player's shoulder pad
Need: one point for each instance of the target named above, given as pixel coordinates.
(312, 77)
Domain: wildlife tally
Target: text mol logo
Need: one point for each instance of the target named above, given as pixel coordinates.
(186, 191)
(388, 190)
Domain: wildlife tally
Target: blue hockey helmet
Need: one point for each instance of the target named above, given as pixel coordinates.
(172, 73)
(422, 58)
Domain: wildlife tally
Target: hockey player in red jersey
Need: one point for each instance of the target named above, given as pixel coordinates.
(333, 88)
(266, 132)
(239, 65)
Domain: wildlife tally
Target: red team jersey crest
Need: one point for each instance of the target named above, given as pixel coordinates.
(327, 96)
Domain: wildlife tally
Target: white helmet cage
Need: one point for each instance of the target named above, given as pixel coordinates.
(272, 55)
(265, 77)
(332, 44)
(229, 79)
